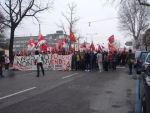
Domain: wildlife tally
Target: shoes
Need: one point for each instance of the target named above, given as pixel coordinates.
(37, 76)
(130, 73)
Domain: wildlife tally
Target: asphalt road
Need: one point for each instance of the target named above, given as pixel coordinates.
(68, 92)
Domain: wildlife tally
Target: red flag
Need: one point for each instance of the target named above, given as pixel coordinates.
(72, 36)
(60, 44)
(44, 48)
(31, 42)
(40, 37)
(72, 49)
(92, 47)
(112, 47)
(54, 49)
(102, 47)
(83, 45)
(41, 40)
(99, 48)
(111, 39)
(65, 40)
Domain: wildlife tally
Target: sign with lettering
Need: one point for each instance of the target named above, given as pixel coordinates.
(50, 62)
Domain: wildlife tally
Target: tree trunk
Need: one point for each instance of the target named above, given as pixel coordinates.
(11, 55)
(146, 47)
(137, 45)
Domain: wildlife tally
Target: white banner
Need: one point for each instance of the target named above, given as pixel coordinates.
(51, 62)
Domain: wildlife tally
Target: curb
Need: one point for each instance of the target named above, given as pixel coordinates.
(137, 99)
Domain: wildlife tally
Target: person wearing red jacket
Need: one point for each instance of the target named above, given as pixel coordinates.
(110, 57)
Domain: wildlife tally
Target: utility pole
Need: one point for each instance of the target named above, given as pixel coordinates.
(39, 28)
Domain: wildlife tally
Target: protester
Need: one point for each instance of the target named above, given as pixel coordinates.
(99, 61)
(2, 61)
(105, 61)
(114, 60)
(39, 62)
(110, 56)
(91, 60)
(95, 65)
(87, 61)
(7, 61)
(78, 59)
(74, 62)
(119, 58)
(82, 61)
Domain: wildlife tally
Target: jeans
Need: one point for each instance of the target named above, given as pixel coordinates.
(1, 71)
(100, 66)
(130, 68)
(38, 68)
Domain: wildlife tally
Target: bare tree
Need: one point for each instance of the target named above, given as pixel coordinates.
(146, 39)
(141, 2)
(71, 19)
(133, 18)
(2, 26)
(15, 11)
(144, 2)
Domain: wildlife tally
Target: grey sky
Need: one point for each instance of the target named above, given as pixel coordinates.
(87, 10)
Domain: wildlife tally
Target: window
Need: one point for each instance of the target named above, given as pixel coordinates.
(148, 59)
(148, 70)
(143, 56)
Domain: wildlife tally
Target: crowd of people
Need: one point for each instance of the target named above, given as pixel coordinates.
(89, 61)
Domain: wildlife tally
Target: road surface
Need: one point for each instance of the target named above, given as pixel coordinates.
(68, 92)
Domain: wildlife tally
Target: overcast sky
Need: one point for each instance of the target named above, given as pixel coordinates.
(100, 11)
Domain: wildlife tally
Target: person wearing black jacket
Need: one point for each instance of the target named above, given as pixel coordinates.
(87, 61)
(2, 61)
(39, 62)
(130, 60)
(114, 60)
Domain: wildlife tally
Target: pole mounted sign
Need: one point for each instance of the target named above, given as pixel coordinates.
(129, 43)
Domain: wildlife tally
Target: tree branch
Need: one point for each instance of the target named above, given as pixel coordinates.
(143, 3)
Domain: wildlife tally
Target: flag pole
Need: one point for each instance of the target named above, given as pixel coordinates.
(39, 28)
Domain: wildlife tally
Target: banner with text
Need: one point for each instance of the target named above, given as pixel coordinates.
(51, 62)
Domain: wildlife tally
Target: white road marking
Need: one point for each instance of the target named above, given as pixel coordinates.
(17, 93)
(69, 75)
(121, 67)
(27, 73)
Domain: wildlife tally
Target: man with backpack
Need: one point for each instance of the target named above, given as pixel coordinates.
(130, 60)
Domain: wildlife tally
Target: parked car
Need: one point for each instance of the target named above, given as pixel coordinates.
(146, 62)
(145, 90)
(140, 57)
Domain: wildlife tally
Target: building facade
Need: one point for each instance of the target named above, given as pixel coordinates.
(21, 42)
